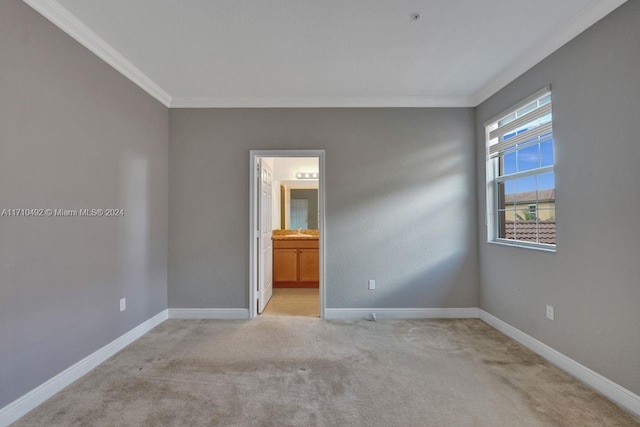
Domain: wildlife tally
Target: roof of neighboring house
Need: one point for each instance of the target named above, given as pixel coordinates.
(526, 230)
(530, 196)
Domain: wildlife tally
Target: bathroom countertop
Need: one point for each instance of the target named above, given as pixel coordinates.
(295, 237)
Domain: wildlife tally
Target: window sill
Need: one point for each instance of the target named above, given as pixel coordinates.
(534, 246)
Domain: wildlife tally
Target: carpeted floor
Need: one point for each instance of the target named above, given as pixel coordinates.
(294, 302)
(297, 371)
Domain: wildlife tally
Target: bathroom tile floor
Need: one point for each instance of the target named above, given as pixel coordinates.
(294, 302)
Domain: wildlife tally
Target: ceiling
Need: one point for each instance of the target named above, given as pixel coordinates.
(325, 53)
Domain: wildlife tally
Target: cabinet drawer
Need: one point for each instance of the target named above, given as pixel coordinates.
(294, 244)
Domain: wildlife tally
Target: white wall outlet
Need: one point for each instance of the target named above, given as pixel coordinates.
(372, 285)
(550, 312)
(123, 304)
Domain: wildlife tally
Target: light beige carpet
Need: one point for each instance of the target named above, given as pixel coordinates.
(294, 302)
(298, 371)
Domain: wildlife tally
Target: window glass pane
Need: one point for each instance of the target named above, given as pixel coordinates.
(525, 194)
(547, 208)
(544, 119)
(506, 224)
(501, 197)
(531, 125)
(511, 117)
(545, 100)
(546, 181)
(526, 190)
(524, 110)
(547, 226)
(509, 163)
(546, 153)
(529, 158)
(510, 214)
(526, 229)
(546, 214)
(509, 135)
(506, 192)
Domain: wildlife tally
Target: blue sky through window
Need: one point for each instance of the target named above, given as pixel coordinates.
(532, 157)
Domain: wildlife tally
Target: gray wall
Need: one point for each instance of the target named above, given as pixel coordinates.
(74, 133)
(311, 195)
(594, 278)
(400, 205)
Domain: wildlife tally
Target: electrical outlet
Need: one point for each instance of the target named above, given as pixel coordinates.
(123, 304)
(372, 285)
(550, 312)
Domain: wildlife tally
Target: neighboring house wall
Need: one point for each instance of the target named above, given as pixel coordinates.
(543, 202)
(545, 210)
(74, 133)
(399, 203)
(592, 280)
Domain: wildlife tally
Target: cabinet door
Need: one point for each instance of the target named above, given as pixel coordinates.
(285, 265)
(309, 265)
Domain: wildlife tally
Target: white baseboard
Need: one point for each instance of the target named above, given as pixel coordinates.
(620, 395)
(208, 313)
(401, 313)
(38, 395)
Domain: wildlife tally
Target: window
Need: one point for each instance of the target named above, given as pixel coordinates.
(521, 199)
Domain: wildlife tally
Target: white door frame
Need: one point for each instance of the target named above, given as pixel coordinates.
(253, 221)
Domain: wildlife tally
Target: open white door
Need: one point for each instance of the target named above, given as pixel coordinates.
(265, 231)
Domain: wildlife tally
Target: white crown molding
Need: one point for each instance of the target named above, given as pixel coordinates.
(402, 313)
(44, 391)
(321, 102)
(208, 313)
(67, 22)
(620, 395)
(588, 16)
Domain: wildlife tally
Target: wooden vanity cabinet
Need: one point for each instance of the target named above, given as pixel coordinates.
(285, 265)
(308, 265)
(296, 263)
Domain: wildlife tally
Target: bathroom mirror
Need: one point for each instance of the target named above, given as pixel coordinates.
(299, 206)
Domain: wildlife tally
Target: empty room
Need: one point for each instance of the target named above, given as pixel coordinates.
(319, 213)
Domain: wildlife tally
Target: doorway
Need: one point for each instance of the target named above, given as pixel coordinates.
(286, 263)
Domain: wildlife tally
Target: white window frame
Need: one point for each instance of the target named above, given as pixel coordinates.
(493, 179)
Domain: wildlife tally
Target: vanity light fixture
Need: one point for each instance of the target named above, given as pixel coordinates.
(307, 175)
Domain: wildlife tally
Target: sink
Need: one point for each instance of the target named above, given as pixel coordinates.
(299, 235)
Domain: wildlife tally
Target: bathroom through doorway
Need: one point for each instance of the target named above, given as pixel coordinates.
(287, 239)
